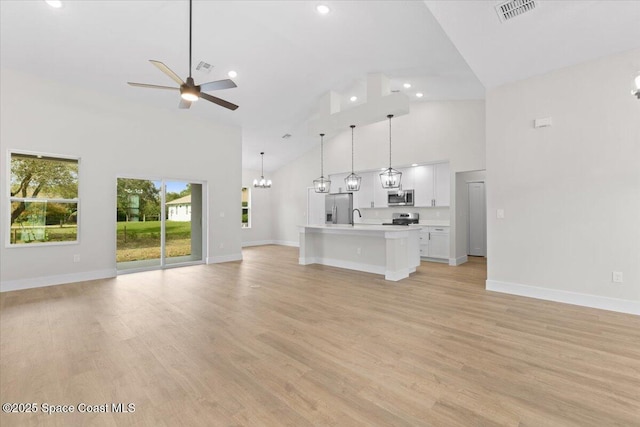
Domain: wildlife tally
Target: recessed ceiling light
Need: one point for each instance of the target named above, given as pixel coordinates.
(407, 85)
(54, 3)
(232, 74)
(322, 9)
(419, 94)
(353, 98)
(414, 164)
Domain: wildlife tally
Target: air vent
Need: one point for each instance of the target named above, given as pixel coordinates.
(204, 67)
(286, 136)
(510, 9)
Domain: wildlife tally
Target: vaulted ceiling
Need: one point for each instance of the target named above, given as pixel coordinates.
(287, 55)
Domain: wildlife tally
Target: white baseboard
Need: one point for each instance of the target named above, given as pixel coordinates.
(224, 258)
(286, 243)
(257, 243)
(575, 298)
(375, 269)
(39, 282)
(458, 261)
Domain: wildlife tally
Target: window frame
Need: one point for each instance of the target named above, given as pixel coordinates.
(248, 208)
(11, 200)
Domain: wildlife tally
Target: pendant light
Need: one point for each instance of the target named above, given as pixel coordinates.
(352, 181)
(390, 178)
(322, 184)
(263, 183)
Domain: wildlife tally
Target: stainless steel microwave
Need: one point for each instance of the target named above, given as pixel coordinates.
(400, 198)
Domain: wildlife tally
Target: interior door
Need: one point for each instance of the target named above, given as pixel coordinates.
(477, 220)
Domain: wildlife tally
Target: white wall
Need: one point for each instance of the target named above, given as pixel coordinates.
(433, 131)
(571, 192)
(261, 218)
(112, 137)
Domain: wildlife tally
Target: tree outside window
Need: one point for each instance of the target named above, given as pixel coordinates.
(44, 199)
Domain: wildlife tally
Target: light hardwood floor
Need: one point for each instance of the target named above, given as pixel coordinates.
(266, 342)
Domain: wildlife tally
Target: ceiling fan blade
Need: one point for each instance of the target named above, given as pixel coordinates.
(217, 85)
(152, 86)
(184, 104)
(220, 102)
(167, 71)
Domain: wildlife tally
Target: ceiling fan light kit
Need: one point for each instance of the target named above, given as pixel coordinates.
(322, 184)
(189, 91)
(262, 183)
(637, 91)
(390, 178)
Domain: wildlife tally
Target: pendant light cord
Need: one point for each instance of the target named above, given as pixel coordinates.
(390, 116)
(322, 155)
(352, 126)
(190, 3)
(262, 169)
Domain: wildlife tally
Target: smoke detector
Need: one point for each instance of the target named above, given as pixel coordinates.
(510, 9)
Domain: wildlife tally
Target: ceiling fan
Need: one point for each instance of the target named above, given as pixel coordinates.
(189, 91)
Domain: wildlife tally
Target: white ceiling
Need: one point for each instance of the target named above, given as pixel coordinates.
(554, 35)
(287, 56)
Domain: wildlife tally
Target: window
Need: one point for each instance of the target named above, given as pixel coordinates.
(43, 199)
(246, 208)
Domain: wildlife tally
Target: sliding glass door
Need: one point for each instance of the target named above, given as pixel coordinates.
(159, 224)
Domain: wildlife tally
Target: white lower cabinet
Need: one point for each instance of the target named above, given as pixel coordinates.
(434, 243)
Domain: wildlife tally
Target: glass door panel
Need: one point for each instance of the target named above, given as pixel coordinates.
(183, 222)
(138, 226)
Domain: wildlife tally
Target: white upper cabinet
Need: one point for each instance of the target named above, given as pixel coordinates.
(423, 186)
(365, 195)
(431, 184)
(337, 182)
(380, 195)
(442, 187)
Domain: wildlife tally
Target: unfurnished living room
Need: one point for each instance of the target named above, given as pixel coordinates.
(346, 213)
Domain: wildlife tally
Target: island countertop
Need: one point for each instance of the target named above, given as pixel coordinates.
(338, 228)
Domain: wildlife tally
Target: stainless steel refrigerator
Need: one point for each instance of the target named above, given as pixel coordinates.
(338, 208)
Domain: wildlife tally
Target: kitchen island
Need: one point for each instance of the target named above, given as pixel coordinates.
(390, 250)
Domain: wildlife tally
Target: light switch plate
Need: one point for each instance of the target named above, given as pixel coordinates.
(500, 213)
(616, 277)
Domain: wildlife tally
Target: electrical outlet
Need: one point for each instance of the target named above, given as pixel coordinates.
(221, 245)
(616, 277)
(221, 214)
(76, 258)
(359, 251)
(500, 213)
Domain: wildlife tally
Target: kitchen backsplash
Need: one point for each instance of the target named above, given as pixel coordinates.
(378, 216)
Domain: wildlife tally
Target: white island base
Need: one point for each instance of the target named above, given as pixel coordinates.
(392, 251)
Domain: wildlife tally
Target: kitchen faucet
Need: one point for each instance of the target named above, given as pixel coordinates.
(352, 212)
